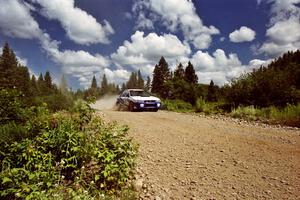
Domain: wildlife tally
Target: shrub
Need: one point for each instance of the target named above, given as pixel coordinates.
(85, 160)
(177, 105)
(290, 115)
(11, 106)
(202, 106)
(248, 112)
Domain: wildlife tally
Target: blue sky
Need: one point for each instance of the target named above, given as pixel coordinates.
(82, 38)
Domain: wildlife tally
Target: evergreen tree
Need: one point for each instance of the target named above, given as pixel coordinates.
(41, 85)
(212, 92)
(8, 66)
(133, 81)
(104, 85)
(179, 72)
(190, 75)
(94, 83)
(161, 75)
(148, 84)
(22, 80)
(140, 80)
(48, 81)
(123, 87)
(33, 87)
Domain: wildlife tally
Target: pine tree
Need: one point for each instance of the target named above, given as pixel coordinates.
(140, 80)
(133, 81)
(161, 75)
(211, 93)
(8, 67)
(190, 75)
(179, 72)
(33, 87)
(21, 78)
(104, 85)
(41, 85)
(94, 83)
(48, 81)
(148, 84)
(123, 87)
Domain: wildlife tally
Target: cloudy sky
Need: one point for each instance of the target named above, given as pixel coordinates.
(82, 38)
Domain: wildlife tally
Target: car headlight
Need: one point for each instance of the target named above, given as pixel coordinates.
(158, 104)
(142, 105)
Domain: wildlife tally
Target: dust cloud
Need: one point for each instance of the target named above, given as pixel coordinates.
(107, 102)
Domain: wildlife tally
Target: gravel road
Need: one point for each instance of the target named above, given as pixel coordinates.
(188, 156)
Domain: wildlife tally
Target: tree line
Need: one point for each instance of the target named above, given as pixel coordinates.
(35, 91)
(277, 84)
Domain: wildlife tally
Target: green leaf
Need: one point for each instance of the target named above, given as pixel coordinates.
(97, 177)
(6, 180)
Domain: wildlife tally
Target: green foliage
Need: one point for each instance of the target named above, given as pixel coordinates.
(190, 75)
(290, 115)
(177, 105)
(203, 106)
(275, 85)
(82, 160)
(161, 75)
(11, 106)
(135, 81)
(212, 92)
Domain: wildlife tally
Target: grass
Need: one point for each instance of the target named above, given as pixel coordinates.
(290, 115)
(177, 106)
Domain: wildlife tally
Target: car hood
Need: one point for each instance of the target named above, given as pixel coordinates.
(151, 98)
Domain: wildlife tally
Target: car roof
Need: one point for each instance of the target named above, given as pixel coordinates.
(135, 90)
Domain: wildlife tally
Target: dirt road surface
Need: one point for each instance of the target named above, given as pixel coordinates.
(186, 156)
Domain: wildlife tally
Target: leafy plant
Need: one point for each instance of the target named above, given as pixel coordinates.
(177, 105)
(88, 159)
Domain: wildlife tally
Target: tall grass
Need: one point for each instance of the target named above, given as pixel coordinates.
(290, 115)
(177, 106)
(203, 106)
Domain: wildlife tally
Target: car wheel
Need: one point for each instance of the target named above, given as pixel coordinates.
(131, 106)
(155, 109)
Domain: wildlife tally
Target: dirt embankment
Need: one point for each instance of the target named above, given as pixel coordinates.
(185, 156)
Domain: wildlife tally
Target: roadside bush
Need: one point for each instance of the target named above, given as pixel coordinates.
(11, 106)
(203, 106)
(249, 112)
(290, 115)
(87, 160)
(57, 102)
(177, 106)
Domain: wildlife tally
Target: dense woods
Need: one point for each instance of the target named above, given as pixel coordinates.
(277, 84)
(274, 85)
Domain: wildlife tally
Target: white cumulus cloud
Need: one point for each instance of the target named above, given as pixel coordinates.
(244, 34)
(16, 21)
(142, 52)
(217, 67)
(283, 33)
(179, 14)
(80, 26)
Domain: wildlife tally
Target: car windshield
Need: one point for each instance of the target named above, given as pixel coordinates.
(139, 93)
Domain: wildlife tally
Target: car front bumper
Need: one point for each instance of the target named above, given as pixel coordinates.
(147, 105)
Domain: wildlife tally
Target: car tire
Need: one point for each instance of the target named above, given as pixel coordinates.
(131, 106)
(155, 109)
